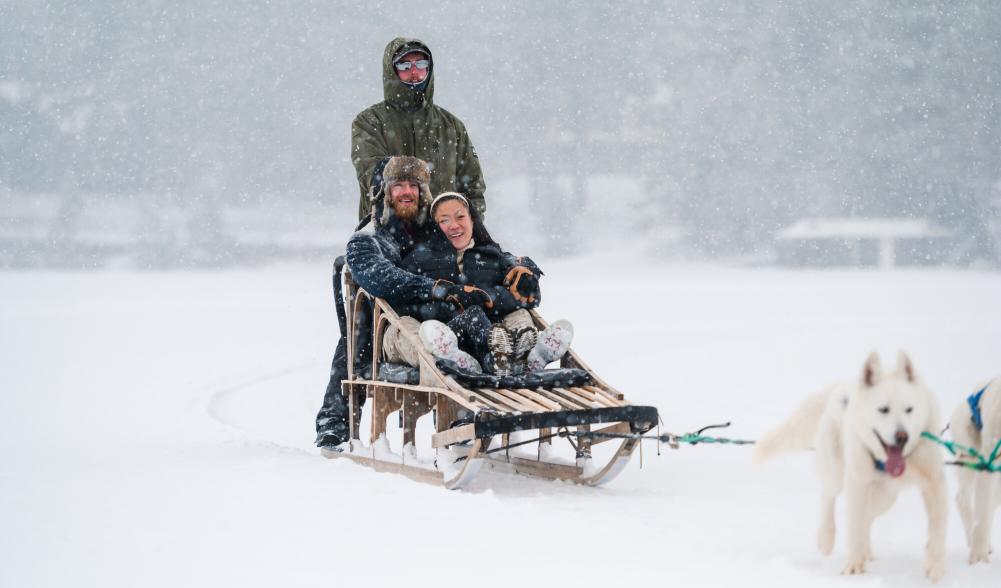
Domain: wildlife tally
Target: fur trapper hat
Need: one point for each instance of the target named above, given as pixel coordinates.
(400, 168)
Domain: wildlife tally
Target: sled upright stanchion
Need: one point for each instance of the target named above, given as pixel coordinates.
(470, 416)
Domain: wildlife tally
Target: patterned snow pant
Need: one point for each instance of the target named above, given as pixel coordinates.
(471, 327)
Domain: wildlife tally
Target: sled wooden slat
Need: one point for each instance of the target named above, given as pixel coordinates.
(561, 402)
(565, 404)
(466, 399)
(539, 399)
(496, 414)
(579, 398)
(571, 399)
(501, 400)
(523, 400)
(492, 403)
(616, 397)
(582, 397)
(601, 399)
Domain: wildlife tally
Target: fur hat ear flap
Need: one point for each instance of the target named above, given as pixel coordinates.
(425, 204)
(386, 208)
(905, 366)
(872, 372)
(375, 203)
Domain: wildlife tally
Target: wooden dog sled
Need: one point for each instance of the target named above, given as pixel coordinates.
(463, 447)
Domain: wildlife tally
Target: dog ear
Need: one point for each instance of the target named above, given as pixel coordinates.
(872, 371)
(904, 366)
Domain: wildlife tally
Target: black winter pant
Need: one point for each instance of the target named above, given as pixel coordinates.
(471, 328)
(332, 419)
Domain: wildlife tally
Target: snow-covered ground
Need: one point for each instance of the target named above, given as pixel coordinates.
(156, 430)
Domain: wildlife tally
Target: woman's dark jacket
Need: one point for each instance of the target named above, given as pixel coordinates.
(484, 266)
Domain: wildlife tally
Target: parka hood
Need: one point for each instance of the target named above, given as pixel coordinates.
(395, 91)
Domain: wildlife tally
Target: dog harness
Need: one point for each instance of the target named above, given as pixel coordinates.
(975, 416)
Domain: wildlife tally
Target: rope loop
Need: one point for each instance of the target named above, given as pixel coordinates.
(981, 463)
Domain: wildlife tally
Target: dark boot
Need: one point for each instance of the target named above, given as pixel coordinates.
(502, 349)
(332, 420)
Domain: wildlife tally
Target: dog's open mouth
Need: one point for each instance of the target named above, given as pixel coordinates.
(895, 463)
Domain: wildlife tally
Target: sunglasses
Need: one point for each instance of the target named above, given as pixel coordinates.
(406, 65)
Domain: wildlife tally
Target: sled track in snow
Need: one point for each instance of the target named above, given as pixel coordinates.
(249, 406)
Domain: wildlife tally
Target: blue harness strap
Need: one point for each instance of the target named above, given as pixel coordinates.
(974, 402)
(880, 466)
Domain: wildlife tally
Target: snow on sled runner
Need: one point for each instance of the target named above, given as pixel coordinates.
(471, 411)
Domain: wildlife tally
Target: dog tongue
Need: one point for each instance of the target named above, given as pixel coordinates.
(895, 461)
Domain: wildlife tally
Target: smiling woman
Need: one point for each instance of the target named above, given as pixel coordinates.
(489, 327)
(451, 213)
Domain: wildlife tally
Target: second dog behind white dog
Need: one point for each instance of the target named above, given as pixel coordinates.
(976, 423)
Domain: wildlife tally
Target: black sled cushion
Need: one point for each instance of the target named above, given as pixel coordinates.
(558, 378)
(399, 373)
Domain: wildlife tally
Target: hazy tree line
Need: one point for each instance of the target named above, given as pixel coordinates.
(735, 118)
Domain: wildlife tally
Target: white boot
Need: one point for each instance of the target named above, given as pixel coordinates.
(440, 341)
(552, 344)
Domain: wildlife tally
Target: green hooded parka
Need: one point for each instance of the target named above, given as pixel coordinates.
(408, 122)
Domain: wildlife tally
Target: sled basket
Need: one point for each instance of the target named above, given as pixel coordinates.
(470, 417)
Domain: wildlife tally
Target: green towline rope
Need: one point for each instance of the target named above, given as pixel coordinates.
(670, 438)
(984, 464)
(694, 439)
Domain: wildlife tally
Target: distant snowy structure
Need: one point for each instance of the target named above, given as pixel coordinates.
(154, 231)
(865, 242)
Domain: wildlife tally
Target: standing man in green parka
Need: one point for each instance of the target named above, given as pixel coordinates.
(408, 122)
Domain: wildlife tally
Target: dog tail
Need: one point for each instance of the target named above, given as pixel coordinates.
(797, 433)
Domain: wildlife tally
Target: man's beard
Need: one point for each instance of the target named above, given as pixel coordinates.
(405, 212)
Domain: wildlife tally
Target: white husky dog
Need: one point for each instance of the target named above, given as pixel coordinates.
(867, 435)
(976, 423)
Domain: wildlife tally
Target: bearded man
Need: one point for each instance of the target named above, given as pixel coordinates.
(400, 222)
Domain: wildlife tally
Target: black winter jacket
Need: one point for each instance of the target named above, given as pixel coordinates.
(483, 265)
(375, 257)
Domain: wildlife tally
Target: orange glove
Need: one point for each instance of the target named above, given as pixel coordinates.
(461, 296)
(523, 284)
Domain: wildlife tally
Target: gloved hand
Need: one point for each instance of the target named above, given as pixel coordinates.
(461, 296)
(526, 261)
(523, 284)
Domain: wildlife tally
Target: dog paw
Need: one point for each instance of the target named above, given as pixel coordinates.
(854, 567)
(825, 541)
(979, 554)
(935, 569)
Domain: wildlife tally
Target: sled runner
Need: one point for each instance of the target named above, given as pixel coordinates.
(474, 419)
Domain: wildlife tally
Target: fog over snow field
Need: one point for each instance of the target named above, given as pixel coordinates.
(156, 429)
